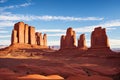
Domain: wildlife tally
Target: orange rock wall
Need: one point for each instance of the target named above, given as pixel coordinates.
(25, 34)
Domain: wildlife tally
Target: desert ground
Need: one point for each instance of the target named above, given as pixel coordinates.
(40, 64)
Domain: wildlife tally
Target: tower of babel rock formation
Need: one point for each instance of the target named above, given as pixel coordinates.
(99, 38)
(82, 42)
(68, 41)
(25, 34)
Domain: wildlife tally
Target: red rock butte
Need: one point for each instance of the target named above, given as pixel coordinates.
(68, 41)
(99, 40)
(82, 42)
(25, 34)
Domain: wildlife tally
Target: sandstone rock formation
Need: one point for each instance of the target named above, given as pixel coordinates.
(62, 42)
(45, 40)
(32, 35)
(99, 38)
(42, 41)
(69, 41)
(82, 42)
(14, 38)
(25, 34)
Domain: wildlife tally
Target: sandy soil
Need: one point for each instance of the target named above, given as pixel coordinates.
(49, 64)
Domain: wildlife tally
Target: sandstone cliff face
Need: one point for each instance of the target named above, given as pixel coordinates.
(68, 41)
(45, 40)
(62, 42)
(25, 34)
(99, 38)
(31, 35)
(14, 38)
(82, 42)
(26, 37)
(42, 41)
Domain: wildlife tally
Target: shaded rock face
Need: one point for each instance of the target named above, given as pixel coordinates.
(99, 38)
(42, 41)
(82, 42)
(45, 40)
(68, 41)
(24, 34)
(62, 42)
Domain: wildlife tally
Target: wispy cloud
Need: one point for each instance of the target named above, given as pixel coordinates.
(3, 1)
(3, 31)
(5, 42)
(54, 42)
(109, 25)
(114, 42)
(14, 6)
(51, 30)
(6, 23)
(5, 36)
(45, 17)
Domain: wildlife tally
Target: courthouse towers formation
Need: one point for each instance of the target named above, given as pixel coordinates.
(25, 34)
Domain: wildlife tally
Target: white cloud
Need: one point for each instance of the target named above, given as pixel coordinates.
(114, 42)
(54, 42)
(45, 17)
(54, 35)
(3, 1)
(109, 25)
(14, 6)
(5, 36)
(6, 23)
(51, 30)
(5, 42)
(4, 31)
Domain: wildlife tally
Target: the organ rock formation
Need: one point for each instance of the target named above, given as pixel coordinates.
(82, 42)
(99, 38)
(68, 41)
(25, 34)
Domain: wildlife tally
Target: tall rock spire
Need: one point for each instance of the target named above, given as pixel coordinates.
(82, 42)
(68, 41)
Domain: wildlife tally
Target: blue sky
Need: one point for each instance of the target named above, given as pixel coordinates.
(55, 16)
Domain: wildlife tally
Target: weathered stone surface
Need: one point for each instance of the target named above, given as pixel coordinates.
(74, 38)
(82, 42)
(26, 34)
(45, 40)
(41, 39)
(99, 38)
(70, 39)
(19, 27)
(14, 38)
(62, 42)
(32, 39)
(37, 38)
